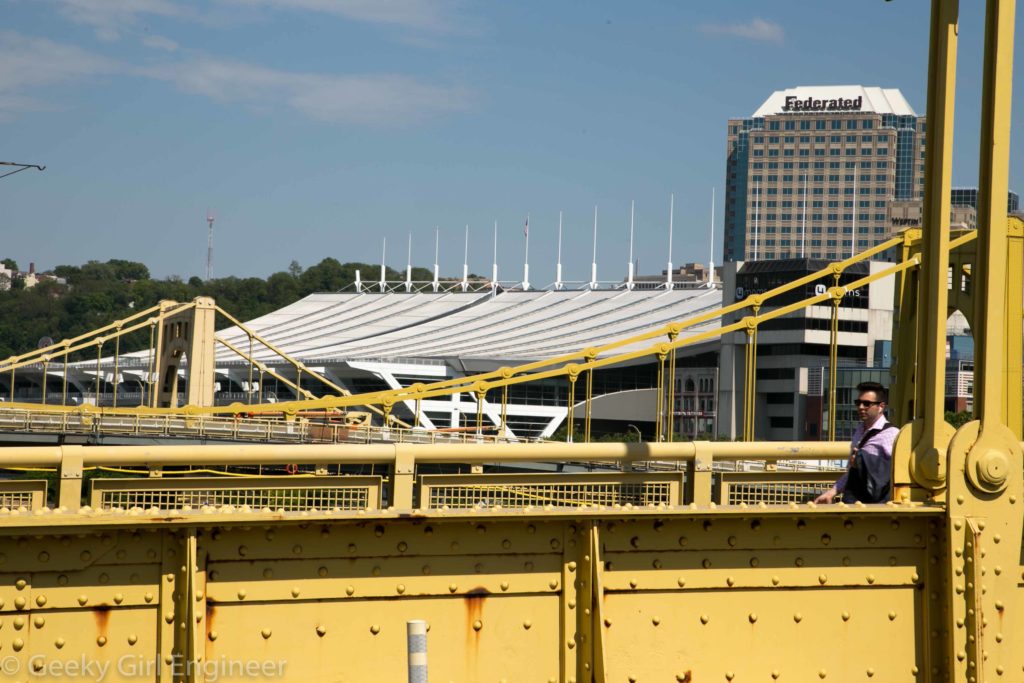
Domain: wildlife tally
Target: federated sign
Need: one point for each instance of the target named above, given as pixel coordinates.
(794, 103)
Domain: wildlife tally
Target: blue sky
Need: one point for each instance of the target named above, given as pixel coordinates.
(317, 128)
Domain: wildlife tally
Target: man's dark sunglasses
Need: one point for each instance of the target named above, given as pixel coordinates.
(866, 404)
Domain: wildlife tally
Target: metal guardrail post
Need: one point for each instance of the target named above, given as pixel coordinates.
(69, 491)
(404, 477)
(699, 477)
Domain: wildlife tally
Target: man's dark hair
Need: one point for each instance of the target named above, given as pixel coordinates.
(880, 392)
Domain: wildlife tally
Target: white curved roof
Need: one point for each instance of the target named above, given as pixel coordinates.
(513, 325)
(877, 100)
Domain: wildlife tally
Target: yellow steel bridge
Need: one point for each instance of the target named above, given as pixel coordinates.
(671, 562)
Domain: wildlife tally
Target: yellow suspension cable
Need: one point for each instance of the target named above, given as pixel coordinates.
(64, 389)
(99, 360)
(571, 408)
(250, 368)
(117, 353)
(480, 412)
(659, 402)
(588, 404)
(833, 359)
(46, 369)
(504, 410)
(672, 391)
(151, 365)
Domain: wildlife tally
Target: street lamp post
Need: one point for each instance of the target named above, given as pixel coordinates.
(19, 167)
(639, 434)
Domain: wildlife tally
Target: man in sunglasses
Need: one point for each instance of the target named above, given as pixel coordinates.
(868, 478)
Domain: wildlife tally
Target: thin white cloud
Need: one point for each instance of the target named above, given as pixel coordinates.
(755, 29)
(375, 99)
(28, 63)
(159, 43)
(424, 15)
(111, 18)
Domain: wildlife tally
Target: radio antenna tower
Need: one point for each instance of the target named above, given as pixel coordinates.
(209, 246)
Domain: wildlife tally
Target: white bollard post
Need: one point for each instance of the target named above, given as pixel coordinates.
(417, 647)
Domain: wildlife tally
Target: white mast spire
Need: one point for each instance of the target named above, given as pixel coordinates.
(629, 270)
(408, 266)
(558, 265)
(526, 261)
(494, 263)
(671, 213)
(437, 243)
(593, 262)
(359, 282)
(711, 254)
(465, 263)
(383, 258)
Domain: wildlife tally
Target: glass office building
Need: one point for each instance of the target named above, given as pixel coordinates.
(813, 171)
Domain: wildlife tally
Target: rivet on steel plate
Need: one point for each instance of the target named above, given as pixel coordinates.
(59, 643)
(349, 590)
(101, 641)
(266, 633)
(527, 624)
(132, 639)
(40, 600)
(752, 617)
(504, 585)
(295, 591)
(798, 617)
(212, 635)
(704, 618)
(321, 631)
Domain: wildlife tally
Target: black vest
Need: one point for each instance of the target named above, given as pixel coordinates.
(869, 480)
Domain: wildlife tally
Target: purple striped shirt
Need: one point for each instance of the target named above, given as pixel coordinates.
(879, 446)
